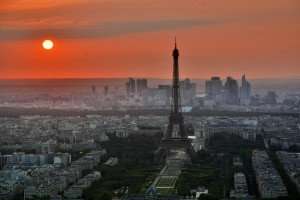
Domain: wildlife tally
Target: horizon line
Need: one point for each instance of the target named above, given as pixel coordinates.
(139, 77)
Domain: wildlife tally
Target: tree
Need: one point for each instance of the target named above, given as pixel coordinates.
(183, 187)
(207, 197)
(105, 196)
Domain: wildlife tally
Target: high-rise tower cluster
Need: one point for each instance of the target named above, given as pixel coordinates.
(228, 93)
(136, 86)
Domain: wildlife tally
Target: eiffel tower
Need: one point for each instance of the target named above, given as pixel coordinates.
(176, 134)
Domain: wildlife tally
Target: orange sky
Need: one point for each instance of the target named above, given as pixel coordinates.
(122, 38)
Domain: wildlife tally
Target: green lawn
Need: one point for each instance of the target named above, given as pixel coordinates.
(166, 191)
(166, 182)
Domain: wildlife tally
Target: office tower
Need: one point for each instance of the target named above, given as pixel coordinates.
(131, 87)
(231, 91)
(106, 88)
(213, 87)
(245, 91)
(271, 98)
(188, 91)
(142, 85)
(93, 89)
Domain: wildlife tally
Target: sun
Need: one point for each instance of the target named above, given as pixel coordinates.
(48, 44)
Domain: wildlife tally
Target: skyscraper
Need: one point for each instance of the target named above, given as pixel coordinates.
(93, 89)
(231, 91)
(141, 85)
(106, 90)
(271, 98)
(131, 87)
(245, 91)
(213, 87)
(188, 91)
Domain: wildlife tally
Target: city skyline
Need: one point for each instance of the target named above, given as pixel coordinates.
(132, 39)
(149, 100)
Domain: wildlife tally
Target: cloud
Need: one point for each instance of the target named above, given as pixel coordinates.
(107, 18)
(102, 30)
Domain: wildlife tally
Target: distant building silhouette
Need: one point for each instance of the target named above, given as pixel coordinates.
(270, 98)
(93, 89)
(142, 85)
(231, 91)
(136, 86)
(245, 91)
(106, 88)
(131, 87)
(213, 88)
(188, 91)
